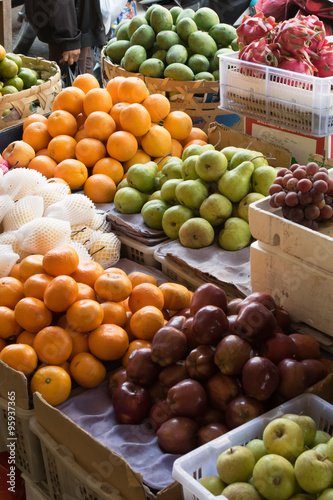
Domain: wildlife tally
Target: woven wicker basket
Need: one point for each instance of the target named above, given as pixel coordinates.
(38, 98)
(199, 99)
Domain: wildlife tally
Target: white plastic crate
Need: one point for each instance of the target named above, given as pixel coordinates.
(65, 477)
(35, 491)
(28, 453)
(291, 100)
(202, 461)
(138, 252)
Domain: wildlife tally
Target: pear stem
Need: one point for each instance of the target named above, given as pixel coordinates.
(96, 251)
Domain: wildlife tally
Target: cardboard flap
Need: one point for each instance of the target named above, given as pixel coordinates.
(13, 380)
(221, 136)
(91, 455)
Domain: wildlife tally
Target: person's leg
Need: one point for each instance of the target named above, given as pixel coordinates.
(86, 62)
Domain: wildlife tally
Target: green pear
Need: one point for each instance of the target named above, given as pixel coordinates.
(196, 233)
(173, 218)
(191, 150)
(129, 200)
(262, 178)
(235, 183)
(191, 193)
(257, 158)
(172, 169)
(168, 191)
(208, 147)
(216, 209)
(123, 183)
(243, 206)
(152, 213)
(141, 176)
(229, 151)
(211, 165)
(188, 168)
(156, 195)
(213, 484)
(326, 494)
(235, 234)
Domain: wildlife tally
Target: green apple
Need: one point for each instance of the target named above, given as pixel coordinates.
(235, 464)
(196, 233)
(214, 484)
(192, 150)
(152, 213)
(321, 437)
(330, 449)
(302, 496)
(235, 235)
(307, 424)
(191, 193)
(326, 494)
(188, 169)
(274, 478)
(262, 178)
(173, 218)
(241, 491)
(168, 191)
(129, 200)
(216, 209)
(211, 165)
(314, 472)
(283, 437)
(320, 448)
(243, 206)
(257, 447)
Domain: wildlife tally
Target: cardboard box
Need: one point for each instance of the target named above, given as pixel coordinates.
(301, 146)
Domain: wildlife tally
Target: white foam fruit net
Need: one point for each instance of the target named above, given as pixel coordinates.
(52, 193)
(20, 182)
(76, 209)
(81, 233)
(81, 250)
(23, 211)
(100, 223)
(6, 204)
(8, 259)
(105, 248)
(10, 238)
(43, 234)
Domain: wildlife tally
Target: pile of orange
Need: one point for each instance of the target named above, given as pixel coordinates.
(93, 134)
(64, 320)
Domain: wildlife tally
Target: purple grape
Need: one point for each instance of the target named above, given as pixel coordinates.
(299, 173)
(272, 201)
(311, 212)
(278, 181)
(323, 169)
(280, 199)
(316, 197)
(321, 176)
(274, 188)
(320, 186)
(304, 185)
(304, 198)
(292, 184)
(294, 166)
(326, 212)
(286, 211)
(312, 168)
(282, 172)
(296, 214)
(291, 199)
(286, 178)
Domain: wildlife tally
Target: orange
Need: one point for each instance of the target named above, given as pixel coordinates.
(179, 124)
(80, 134)
(26, 338)
(158, 106)
(9, 325)
(35, 285)
(145, 294)
(135, 119)
(3, 344)
(87, 272)
(53, 383)
(112, 87)
(113, 286)
(176, 148)
(42, 152)
(145, 322)
(61, 122)
(43, 164)
(132, 89)
(99, 125)
(20, 357)
(157, 141)
(133, 346)
(87, 370)
(11, 291)
(53, 345)
(36, 135)
(15, 272)
(198, 142)
(139, 157)
(122, 145)
(62, 147)
(86, 82)
(30, 265)
(160, 161)
(80, 343)
(73, 172)
(89, 151)
(195, 133)
(176, 296)
(61, 260)
(60, 293)
(34, 118)
(85, 292)
(138, 277)
(108, 342)
(110, 167)
(69, 99)
(85, 315)
(32, 314)
(114, 313)
(100, 188)
(116, 110)
(97, 100)
(116, 270)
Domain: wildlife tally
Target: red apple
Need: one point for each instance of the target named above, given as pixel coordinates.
(260, 378)
(159, 413)
(221, 389)
(231, 354)
(208, 294)
(307, 347)
(211, 416)
(177, 321)
(178, 435)
(293, 378)
(115, 378)
(278, 347)
(254, 323)
(140, 368)
(157, 391)
(211, 431)
(171, 375)
(263, 298)
(131, 403)
(210, 324)
(315, 369)
(328, 364)
(234, 306)
(187, 331)
(231, 318)
(188, 398)
(243, 409)
(200, 362)
(168, 346)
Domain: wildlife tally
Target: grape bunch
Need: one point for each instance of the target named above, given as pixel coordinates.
(305, 194)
